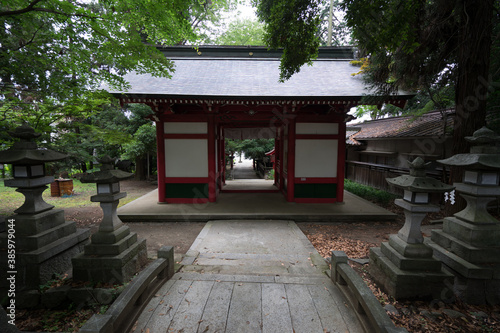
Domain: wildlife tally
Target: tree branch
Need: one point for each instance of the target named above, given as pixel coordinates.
(28, 42)
(31, 8)
(21, 11)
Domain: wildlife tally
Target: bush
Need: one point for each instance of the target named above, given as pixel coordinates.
(369, 193)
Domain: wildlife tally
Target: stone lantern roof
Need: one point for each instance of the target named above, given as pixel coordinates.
(417, 181)
(107, 174)
(26, 150)
(485, 152)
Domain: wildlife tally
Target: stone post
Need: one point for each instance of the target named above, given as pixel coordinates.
(404, 266)
(115, 254)
(469, 244)
(43, 243)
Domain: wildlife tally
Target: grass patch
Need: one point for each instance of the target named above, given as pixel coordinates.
(369, 193)
(11, 200)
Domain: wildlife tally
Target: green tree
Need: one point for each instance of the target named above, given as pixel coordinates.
(411, 44)
(232, 147)
(429, 45)
(74, 46)
(53, 53)
(242, 32)
(256, 149)
(340, 32)
(208, 20)
(292, 25)
(142, 146)
(90, 135)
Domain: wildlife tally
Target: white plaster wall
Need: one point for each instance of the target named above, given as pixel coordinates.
(186, 158)
(316, 158)
(317, 128)
(185, 128)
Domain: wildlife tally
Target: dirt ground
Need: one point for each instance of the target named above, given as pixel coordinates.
(182, 234)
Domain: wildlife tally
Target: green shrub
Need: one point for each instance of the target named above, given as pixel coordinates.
(369, 193)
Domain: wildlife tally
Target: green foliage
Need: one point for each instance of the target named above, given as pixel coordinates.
(369, 193)
(424, 101)
(208, 20)
(252, 148)
(144, 142)
(73, 46)
(232, 146)
(293, 26)
(242, 32)
(340, 31)
(256, 148)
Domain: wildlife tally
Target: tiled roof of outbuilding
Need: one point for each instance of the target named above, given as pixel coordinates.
(427, 125)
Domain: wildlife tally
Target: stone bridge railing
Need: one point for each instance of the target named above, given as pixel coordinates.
(368, 309)
(120, 316)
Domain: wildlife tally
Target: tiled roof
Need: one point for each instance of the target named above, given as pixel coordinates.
(427, 125)
(350, 131)
(250, 78)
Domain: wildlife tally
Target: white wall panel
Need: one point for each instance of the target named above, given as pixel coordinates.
(316, 158)
(186, 158)
(317, 128)
(185, 128)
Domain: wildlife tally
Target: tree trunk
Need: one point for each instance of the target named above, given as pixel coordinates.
(473, 84)
(140, 170)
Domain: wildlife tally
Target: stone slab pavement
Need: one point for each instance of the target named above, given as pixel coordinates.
(259, 206)
(250, 276)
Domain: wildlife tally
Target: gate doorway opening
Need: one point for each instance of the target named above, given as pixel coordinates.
(249, 160)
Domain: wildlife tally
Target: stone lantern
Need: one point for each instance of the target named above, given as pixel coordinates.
(115, 254)
(469, 244)
(404, 265)
(44, 241)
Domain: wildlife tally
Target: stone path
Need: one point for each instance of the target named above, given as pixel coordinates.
(250, 276)
(244, 170)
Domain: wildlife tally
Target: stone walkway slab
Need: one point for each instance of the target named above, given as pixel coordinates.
(250, 206)
(242, 276)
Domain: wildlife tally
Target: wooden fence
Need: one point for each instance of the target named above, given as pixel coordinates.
(374, 175)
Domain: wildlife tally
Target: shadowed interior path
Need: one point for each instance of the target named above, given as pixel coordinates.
(250, 276)
(244, 170)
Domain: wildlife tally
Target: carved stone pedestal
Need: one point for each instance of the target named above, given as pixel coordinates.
(404, 266)
(37, 243)
(115, 254)
(469, 244)
(406, 269)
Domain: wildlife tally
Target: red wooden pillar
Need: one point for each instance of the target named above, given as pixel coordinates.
(160, 160)
(341, 162)
(291, 162)
(212, 173)
(222, 154)
(281, 166)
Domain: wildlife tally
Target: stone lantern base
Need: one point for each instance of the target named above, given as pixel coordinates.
(407, 271)
(472, 253)
(44, 246)
(112, 257)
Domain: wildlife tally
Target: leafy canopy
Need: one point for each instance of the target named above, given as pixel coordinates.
(71, 46)
(293, 26)
(411, 44)
(242, 32)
